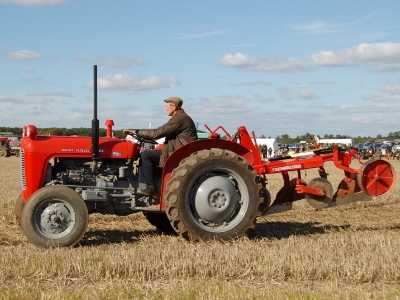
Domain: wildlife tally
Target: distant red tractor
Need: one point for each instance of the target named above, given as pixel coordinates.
(209, 189)
(9, 146)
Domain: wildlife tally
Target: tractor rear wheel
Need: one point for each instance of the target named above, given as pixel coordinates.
(54, 216)
(214, 195)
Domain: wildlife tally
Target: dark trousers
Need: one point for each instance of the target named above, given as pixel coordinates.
(149, 160)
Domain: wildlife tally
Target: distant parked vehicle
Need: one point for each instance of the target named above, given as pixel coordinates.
(367, 145)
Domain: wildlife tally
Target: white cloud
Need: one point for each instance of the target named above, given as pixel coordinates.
(45, 100)
(60, 94)
(36, 79)
(115, 62)
(324, 82)
(23, 55)
(323, 27)
(389, 98)
(127, 82)
(202, 35)
(329, 58)
(352, 109)
(7, 99)
(310, 27)
(117, 107)
(391, 88)
(304, 93)
(4, 98)
(264, 99)
(34, 2)
(254, 83)
(382, 68)
(363, 109)
(29, 69)
(262, 64)
(229, 111)
(384, 53)
(389, 93)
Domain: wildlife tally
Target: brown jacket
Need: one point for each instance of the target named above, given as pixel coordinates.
(179, 130)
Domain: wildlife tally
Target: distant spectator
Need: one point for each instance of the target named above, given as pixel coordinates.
(291, 152)
(383, 152)
(377, 153)
(264, 151)
(394, 150)
(269, 152)
(285, 150)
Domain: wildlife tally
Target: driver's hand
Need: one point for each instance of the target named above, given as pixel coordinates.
(130, 131)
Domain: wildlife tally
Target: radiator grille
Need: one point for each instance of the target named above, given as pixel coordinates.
(22, 168)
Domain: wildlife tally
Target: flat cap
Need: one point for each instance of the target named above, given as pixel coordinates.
(174, 100)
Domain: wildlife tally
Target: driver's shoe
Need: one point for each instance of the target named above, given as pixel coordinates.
(150, 191)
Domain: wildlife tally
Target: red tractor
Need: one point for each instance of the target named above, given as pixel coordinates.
(209, 189)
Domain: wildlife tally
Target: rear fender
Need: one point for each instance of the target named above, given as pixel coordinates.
(186, 150)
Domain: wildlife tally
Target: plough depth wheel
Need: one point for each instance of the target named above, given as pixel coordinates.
(319, 202)
(377, 177)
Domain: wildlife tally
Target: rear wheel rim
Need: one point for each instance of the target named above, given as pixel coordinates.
(218, 201)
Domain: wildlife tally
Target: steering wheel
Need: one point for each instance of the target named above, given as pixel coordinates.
(143, 139)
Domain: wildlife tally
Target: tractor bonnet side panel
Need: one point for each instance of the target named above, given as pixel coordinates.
(38, 152)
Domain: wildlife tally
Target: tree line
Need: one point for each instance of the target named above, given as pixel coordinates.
(284, 138)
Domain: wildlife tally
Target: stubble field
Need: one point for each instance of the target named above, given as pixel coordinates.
(346, 252)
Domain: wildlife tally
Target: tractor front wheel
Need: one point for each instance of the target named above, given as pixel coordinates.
(19, 205)
(214, 194)
(54, 216)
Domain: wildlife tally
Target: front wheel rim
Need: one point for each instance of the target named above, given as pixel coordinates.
(54, 218)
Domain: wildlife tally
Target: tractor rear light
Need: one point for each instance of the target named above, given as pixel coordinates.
(31, 131)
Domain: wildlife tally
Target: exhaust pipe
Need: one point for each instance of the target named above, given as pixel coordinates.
(95, 123)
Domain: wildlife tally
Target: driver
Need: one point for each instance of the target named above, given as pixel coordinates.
(179, 130)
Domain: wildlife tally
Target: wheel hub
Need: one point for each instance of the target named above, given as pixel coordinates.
(55, 219)
(218, 199)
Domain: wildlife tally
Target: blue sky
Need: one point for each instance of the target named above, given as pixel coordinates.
(276, 67)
